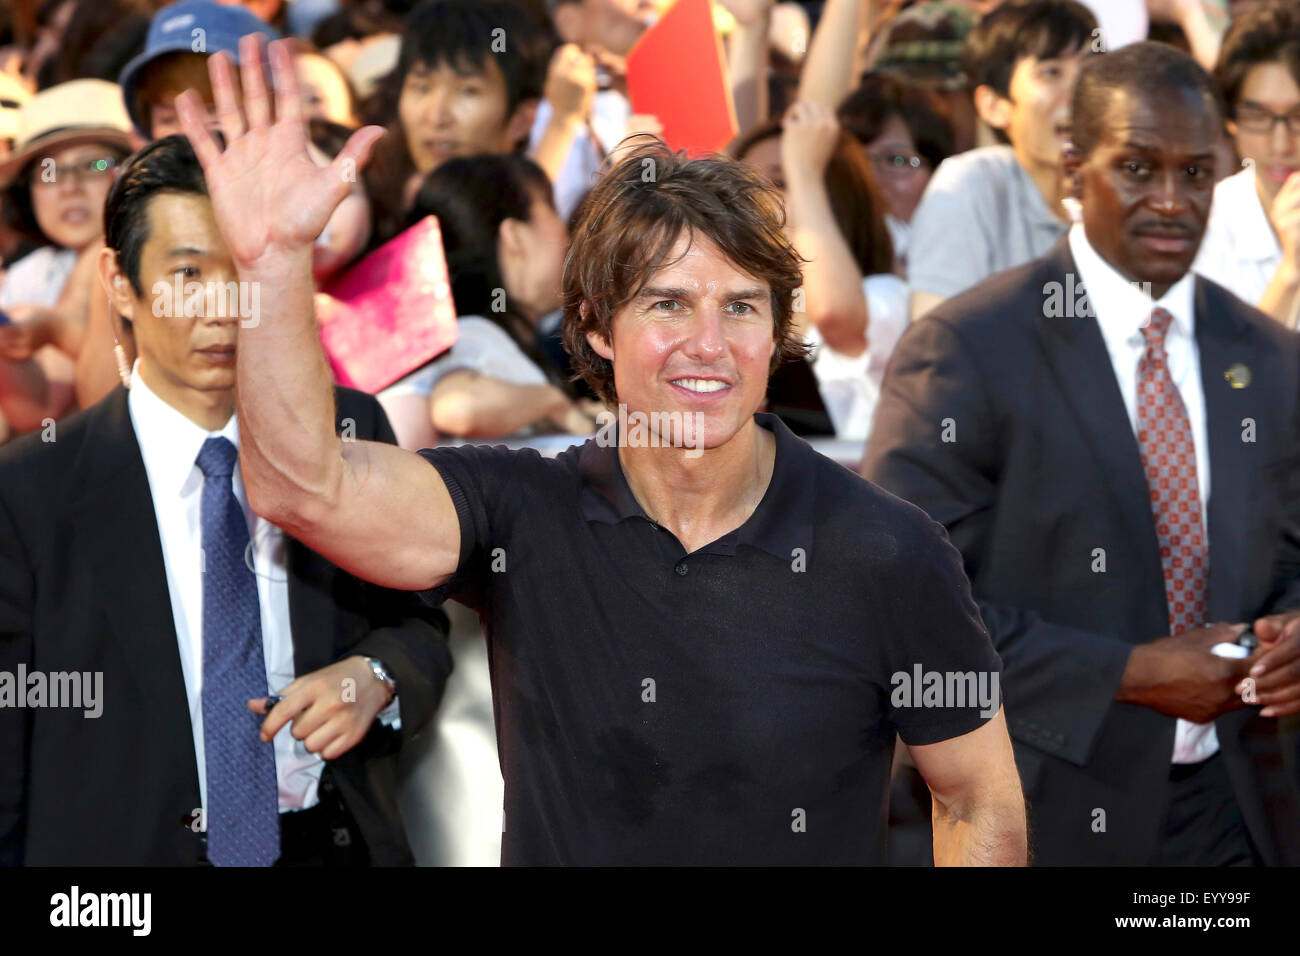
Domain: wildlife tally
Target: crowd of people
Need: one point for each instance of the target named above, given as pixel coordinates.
(1048, 284)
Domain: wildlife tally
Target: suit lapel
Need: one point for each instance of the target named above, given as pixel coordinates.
(1077, 354)
(1221, 343)
(115, 524)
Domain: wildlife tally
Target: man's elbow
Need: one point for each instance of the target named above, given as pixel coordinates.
(991, 819)
(295, 506)
(844, 330)
(454, 414)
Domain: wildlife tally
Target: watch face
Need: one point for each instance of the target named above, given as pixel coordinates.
(381, 673)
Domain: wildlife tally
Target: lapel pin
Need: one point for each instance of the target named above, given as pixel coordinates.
(1237, 375)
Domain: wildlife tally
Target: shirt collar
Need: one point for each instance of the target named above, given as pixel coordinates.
(1122, 308)
(169, 442)
(781, 523)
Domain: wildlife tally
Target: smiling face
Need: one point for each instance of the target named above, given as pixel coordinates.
(189, 361)
(1268, 90)
(697, 338)
(68, 187)
(447, 112)
(1146, 188)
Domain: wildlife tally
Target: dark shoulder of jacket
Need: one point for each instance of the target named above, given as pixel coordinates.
(40, 467)
(1219, 300)
(360, 407)
(1002, 304)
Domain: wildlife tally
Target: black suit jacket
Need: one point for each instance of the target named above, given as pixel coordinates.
(1041, 482)
(83, 588)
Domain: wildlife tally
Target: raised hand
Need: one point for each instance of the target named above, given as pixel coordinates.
(269, 198)
(571, 82)
(809, 134)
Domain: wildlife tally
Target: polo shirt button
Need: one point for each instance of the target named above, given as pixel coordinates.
(681, 567)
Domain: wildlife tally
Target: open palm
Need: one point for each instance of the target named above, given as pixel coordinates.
(268, 196)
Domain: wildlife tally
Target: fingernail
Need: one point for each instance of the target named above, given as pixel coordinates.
(1257, 670)
(1267, 712)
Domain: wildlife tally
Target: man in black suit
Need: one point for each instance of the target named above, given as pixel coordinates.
(132, 571)
(1064, 420)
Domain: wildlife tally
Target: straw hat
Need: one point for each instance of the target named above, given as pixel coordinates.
(81, 111)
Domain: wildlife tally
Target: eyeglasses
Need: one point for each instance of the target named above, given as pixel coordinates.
(1255, 119)
(896, 164)
(46, 174)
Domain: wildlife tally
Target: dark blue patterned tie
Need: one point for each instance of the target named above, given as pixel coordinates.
(243, 821)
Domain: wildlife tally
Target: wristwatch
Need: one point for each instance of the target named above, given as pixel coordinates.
(381, 674)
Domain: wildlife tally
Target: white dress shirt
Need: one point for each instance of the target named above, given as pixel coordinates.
(1240, 251)
(170, 443)
(1122, 308)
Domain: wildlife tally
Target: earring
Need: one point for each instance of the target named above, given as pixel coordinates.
(123, 364)
(119, 353)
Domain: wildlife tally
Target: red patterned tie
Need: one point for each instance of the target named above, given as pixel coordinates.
(1169, 457)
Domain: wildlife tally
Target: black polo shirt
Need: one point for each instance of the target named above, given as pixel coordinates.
(728, 706)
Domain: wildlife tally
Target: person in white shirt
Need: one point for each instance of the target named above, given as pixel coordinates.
(505, 247)
(585, 113)
(852, 308)
(70, 139)
(229, 623)
(1252, 242)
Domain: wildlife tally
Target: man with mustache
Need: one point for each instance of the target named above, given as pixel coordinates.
(1113, 445)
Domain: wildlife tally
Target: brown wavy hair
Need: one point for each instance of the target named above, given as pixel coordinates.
(627, 227)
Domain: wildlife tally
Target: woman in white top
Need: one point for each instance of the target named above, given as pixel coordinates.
(854, 308)
(71, 137)
(505, 248)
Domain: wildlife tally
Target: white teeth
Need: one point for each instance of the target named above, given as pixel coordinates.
(700, 384)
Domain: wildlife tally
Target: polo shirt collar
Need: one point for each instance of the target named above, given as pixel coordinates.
(781, 523)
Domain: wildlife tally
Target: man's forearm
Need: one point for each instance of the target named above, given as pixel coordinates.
(747, 70)
(990, 833)
(833, 297)
(289, 455)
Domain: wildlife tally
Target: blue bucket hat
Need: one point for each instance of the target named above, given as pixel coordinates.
(191, 26)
